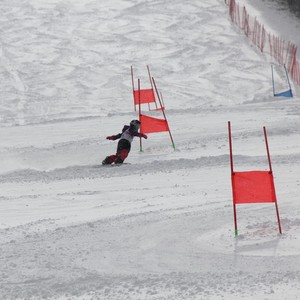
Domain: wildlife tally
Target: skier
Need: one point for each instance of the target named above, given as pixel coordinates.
(124, 144)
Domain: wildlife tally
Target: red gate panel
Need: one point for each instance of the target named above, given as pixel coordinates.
(253, 187)
(150, 124)
(146, 96)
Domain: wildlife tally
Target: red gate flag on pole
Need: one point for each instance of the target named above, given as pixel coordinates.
(163, 111)
(144, 96)
(252, 186)
(150, 124)
(147, 96)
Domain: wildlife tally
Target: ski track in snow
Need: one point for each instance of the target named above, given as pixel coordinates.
(161, 226)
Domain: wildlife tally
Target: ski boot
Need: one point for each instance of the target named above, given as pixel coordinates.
(118, 161)
(106, 161)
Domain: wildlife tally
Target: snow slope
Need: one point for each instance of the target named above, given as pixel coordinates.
(161, 226)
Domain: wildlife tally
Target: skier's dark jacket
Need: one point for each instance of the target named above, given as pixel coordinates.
(126, 137)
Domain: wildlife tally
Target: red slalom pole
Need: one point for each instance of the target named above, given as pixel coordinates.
(271, 172)
(230, 147)
(141, 149)
(132, 81)
(268, 152)
(278, 218)
(232, 182)
(163, 113)
(151, 86)
(235, 220)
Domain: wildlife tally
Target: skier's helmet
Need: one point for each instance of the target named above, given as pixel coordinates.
(135, 124)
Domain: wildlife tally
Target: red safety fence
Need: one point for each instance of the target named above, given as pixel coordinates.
(284, 53)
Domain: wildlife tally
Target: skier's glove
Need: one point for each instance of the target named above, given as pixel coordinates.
(144, 136)
(110, 137)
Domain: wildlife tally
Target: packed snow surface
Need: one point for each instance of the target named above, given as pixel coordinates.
(160, 226)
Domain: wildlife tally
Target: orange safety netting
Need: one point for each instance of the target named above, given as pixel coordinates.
(149, 124)
(146, 96)
(253, 187)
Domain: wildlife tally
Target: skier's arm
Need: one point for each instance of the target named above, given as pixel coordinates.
(117, 136)
(114, 137)
(141, 135)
